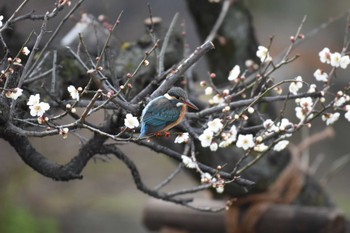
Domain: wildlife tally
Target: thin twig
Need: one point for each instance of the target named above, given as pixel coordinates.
(246, 102)
(33, 53)
(123, 104)
(9, 20)
(90, 105)
(62, 22)
(53, 76)
(17, 55)
(224, 9)
(38, 77)
(165, 45)
(177, 156)
(189, 190)
(181, 69)
(147, 53)
(170, 177)
(291, 46)
(116, 23)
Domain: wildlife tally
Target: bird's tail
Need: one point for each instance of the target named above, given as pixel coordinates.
(143, 130)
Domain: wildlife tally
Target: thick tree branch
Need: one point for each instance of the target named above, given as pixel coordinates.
(43, 165)
(181, 68)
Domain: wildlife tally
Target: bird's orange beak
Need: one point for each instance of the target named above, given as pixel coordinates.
(189, 104)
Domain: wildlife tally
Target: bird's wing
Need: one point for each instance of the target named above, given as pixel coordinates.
(160, 112)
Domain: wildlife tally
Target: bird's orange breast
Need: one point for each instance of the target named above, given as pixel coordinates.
(173, 124)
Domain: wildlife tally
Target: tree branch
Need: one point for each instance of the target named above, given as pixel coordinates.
(181, 68)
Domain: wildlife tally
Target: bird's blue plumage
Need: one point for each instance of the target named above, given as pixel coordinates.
(159, 113)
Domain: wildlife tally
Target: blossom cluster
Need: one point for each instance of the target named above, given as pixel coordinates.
(36, 107)
(246, 141)
(12, 62)
(334, 59)
(217, 135)
(216, 182)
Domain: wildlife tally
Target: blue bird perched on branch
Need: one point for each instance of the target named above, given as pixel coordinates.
(164, 112)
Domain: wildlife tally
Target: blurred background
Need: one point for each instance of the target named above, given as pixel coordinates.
(106, 200)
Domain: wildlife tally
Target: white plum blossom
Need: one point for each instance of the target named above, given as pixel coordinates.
(1, 18)
(263, 54)
(213, 146)
(182, 138)
(306, 102)
(347, 114)
(207, 178)
(39, 109)
(325, 56)
(234, 73)
(215, 125)
(188, 162)
(14, 94)
(304, 109)
(208, 91)
(33, 99)
(217, 99)
(36, 107)
(335, 59)
(321, 76)
(226, 143)
(25, 51)
(300, 113)
(312, 88)
(330, 118)
(74, 93)
(344, 61)
(206, 137)
(226, 92)
(251, 110)
(131, 122)
(245, 141)
(340, 100)
(230, 139)
(233, 132)
(260, 147)
(64, 132)
(270, 126)
(281, 145)
(250, 63)
(268, 123)
(284, 124)
(296, 85)
(226, 108)
(220, 189)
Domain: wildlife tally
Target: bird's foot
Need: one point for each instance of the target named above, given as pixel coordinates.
(161, 134)
(158, 134)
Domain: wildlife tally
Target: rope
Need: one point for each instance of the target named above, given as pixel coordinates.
(283, 191)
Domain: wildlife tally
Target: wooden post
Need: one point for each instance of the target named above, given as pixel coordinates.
(301, 219)
(167, 217)
(159, 215)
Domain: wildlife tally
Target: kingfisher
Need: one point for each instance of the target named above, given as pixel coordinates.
(164, 112)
